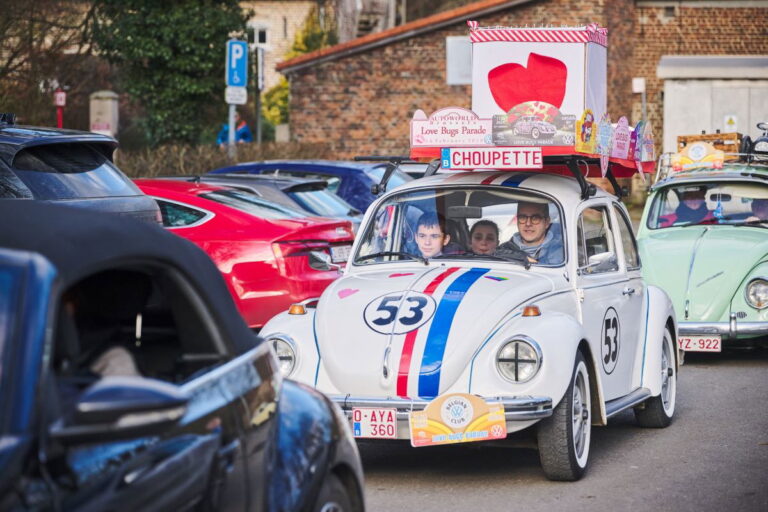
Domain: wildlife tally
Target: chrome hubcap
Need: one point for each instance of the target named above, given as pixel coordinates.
(332, 507)
(667, 375)
(580, 415)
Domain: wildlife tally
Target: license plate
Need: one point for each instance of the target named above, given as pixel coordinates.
(700, 343)
(374, 423)
(340, 253)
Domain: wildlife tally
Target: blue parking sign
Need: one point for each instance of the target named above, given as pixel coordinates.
(237, 63)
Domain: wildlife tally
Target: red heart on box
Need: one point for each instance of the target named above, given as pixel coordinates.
(543, 80)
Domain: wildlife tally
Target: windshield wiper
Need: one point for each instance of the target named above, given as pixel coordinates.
(392, 253)
(505, 256)
(757, 222)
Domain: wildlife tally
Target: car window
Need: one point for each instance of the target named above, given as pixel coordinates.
(396, 179)
(714, 202)
(322, 202)
(70, 171)
(627, 240)
(177, 215)
(597, 253)
(11, 186)
(254, 205)
(516, 226)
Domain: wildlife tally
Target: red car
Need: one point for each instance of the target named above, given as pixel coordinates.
(271, 256)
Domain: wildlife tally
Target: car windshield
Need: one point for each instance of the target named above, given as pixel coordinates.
(253, 205)
(70, 171)
(322, 202)
(464, 223)
(395, 180)
(714, 202)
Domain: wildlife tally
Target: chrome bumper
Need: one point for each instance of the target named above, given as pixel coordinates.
(729, 330)
(516, 408)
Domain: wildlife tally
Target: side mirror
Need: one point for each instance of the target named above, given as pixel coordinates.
(601, 262)
(320, 260)
(117, 408)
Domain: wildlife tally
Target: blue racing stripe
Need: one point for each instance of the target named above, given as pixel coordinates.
(514, 181)
(434, 350)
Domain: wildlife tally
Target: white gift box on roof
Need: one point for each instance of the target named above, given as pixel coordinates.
(527, 71)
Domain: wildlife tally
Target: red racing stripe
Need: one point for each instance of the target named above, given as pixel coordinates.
(410, 338)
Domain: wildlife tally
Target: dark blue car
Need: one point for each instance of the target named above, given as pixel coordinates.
(350, 180)
(68, 167)
(128, 381)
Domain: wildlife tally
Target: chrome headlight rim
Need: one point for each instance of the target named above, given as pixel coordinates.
(288, 341)
(756, 280)
(520, 338)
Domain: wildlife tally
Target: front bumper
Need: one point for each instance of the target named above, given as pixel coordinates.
(516, 408)
(730, 330)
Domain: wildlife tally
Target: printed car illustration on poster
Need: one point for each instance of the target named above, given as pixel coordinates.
(710, 223)
(449, 326)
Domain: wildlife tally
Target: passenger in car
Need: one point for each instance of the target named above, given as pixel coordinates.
(484, 237)
(430, 234)
(534, 235)
(692, 208)
(759, 211)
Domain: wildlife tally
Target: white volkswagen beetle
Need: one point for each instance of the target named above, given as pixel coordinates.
(552, 327)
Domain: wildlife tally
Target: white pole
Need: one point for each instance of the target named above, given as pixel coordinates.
(231, 149)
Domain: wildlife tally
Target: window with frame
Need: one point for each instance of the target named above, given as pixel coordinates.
(176, 215)
(627, 240)
(597, 252)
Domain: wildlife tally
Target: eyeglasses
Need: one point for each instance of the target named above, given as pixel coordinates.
(535, 218)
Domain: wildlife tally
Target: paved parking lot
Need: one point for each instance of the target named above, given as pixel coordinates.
(714, 456)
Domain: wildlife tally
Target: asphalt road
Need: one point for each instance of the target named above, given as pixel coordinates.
(714, 456)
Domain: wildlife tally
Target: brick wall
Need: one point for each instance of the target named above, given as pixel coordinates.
(689, 31)
(361, 104)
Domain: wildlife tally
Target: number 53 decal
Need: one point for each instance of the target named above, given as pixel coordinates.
(399, 312)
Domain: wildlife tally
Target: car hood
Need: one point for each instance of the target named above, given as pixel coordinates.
(364, 355)
(702, 266)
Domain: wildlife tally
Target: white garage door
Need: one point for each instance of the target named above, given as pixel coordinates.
(691, 106)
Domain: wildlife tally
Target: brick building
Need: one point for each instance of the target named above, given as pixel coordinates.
(358, 96)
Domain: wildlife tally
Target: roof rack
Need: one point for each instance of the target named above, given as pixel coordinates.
(664, 163)
(393, 163)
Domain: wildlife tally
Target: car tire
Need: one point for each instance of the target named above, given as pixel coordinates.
(657, 412)
(535, 133)
(333, 497)
(564, 437)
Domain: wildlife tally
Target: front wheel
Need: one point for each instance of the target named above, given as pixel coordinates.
(333, 497)
(657, 411)
(535, 133)
(564, 437)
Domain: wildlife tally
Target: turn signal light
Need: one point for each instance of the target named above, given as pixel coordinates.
(531, 311)
(297, 309)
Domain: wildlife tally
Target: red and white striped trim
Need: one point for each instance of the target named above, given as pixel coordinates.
(591, 33)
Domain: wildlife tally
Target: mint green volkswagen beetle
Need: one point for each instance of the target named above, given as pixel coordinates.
(703, 238)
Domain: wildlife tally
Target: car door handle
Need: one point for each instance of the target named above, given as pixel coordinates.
(628, 291)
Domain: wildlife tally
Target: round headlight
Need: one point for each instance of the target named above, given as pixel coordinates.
(286, 355)
(757, 293)
(519, 359)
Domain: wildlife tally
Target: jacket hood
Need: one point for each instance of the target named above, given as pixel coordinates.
(412, 332)
(702, 266)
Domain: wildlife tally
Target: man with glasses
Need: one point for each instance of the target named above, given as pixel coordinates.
(534, 236)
